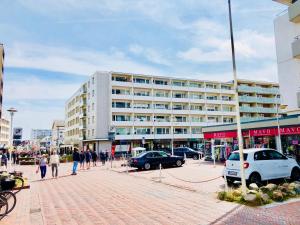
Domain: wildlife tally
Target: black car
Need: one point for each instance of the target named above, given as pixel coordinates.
(152, 159)
(187, 152)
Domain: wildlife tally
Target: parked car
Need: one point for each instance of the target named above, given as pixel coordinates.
(187, 152)
(152, 159)
(261, 164)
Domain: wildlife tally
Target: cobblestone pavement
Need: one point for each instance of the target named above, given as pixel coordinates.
(101, 196)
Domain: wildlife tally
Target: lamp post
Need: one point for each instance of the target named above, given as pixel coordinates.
(11, 111)
(237, 106)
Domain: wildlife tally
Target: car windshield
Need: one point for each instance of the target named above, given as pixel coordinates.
(236, 156)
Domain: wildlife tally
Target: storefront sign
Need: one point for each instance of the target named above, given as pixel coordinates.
(295, 142)
(223, 135)
(274, 131)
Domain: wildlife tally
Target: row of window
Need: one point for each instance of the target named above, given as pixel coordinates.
(166, 94)
(146, 118)
(159, 130)
(174, 106)
(173, 82)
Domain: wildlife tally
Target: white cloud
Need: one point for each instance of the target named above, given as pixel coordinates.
(70, 60)
(152, 55)
(33, 88)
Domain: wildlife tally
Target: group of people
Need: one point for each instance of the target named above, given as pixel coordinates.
(85, 157)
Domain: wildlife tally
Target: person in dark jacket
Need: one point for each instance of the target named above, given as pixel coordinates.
(82, 159)
(102, 158)
(94, 157)
(88, 157)
(76, 159)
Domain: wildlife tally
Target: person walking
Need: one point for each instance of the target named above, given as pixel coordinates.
(106, 156)
(76, 159)
(4, 159)
(82, 158)
(14, 156)
(88, 157)
(42, 167)
(102, 158)
(54, 163)
(94, 157)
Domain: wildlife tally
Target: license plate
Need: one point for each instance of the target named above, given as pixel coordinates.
(232, 173)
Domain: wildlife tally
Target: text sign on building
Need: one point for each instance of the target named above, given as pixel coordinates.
(274, 131)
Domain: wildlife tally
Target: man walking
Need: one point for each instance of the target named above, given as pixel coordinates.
(76, 159)
(54, 163)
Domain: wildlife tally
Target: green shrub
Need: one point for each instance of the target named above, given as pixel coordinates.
(221, 195)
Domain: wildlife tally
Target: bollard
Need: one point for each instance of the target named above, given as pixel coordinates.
(160, 172)
(226, 184)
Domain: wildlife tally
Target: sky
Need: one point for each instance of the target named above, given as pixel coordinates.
(52, 46)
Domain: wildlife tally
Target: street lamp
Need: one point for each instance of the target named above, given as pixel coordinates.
(237, 105)
(11, 111)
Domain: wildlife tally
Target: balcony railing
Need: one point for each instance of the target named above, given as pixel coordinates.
(259, 99)
(244, 88)
(257, 109)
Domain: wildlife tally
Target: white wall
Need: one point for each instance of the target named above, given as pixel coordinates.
(288, 67)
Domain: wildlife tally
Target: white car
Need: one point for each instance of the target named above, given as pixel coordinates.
(261, 164)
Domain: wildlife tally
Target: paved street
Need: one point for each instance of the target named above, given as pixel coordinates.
(101, 196)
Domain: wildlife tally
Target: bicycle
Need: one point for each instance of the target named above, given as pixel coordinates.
(8, 199)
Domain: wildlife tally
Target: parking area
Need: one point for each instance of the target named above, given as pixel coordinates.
(195, 175)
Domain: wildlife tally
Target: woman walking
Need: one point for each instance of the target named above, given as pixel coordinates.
(54, 163)
(42, 167)
(102, 158)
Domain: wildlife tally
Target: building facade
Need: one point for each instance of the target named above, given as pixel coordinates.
(287, 33)
(58, 129)
(4, 133)
(1, 76)
(38, 134)
(153, 111)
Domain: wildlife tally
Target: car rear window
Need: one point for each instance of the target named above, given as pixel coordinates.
(236, 156)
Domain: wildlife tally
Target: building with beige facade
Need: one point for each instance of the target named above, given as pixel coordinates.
(134, 110)
(4, 132)
(58, 129)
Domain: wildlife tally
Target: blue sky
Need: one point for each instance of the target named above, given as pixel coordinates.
(53, 45)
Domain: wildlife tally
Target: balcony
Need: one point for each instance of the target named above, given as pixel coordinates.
(296, 48)
(82, 126)
(261, 90)
(257, 110)
(294, 12)
(82, 115)
(248, 109)
(259, 99)
(248, 119)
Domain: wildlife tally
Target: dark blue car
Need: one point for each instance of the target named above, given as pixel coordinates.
(152, 159)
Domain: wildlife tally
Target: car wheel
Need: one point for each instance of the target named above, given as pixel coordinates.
(195, 157)
(147, 166)
(295, 175)
(255, 178)
(178, 163)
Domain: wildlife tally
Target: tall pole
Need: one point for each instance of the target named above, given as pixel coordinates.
(237, 106)
(278, 126)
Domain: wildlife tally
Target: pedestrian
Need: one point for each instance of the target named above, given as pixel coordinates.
(14, 156)
(88, 157)
(82, 158)
(94, 157)
(54, 163)
(102, 158)
(4, 159)
(42, 167)
(76, 159)
(106, 156)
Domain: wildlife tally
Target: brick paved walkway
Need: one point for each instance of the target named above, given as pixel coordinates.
(100, 196)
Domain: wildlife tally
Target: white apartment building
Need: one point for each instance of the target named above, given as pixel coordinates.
(287, 37)
(153, 110)
(38, 134)
(4, 132)
(58, 129)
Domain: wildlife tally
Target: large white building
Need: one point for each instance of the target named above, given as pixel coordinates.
(38, 134)
(287, 36)
(153, 110)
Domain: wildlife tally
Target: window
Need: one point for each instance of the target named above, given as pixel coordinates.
(261, 155)
(178, 107)
(162, 130)
(180, 131)
(161, 119)
(122, 79)
(161, 106)
(120, 104)
(225, 87)
(93, 93)
(142, 118)
(93, 80)
(273, 155)
(196, 85)
(196, 130)
(141, 106)
(141, 93)
(212, 97)
(121, 118)
(196, 107)
(123, 131)
(212, 86)
(196, 119)
(141, 131)
(236, 156)
(178, 83)
(160, 82)
(226, 98)
(120, 92)
(93, 132)
(179, 95)
(195, 96)
(93, 106)
(180, 119)
(141, 81)
(161, 94)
